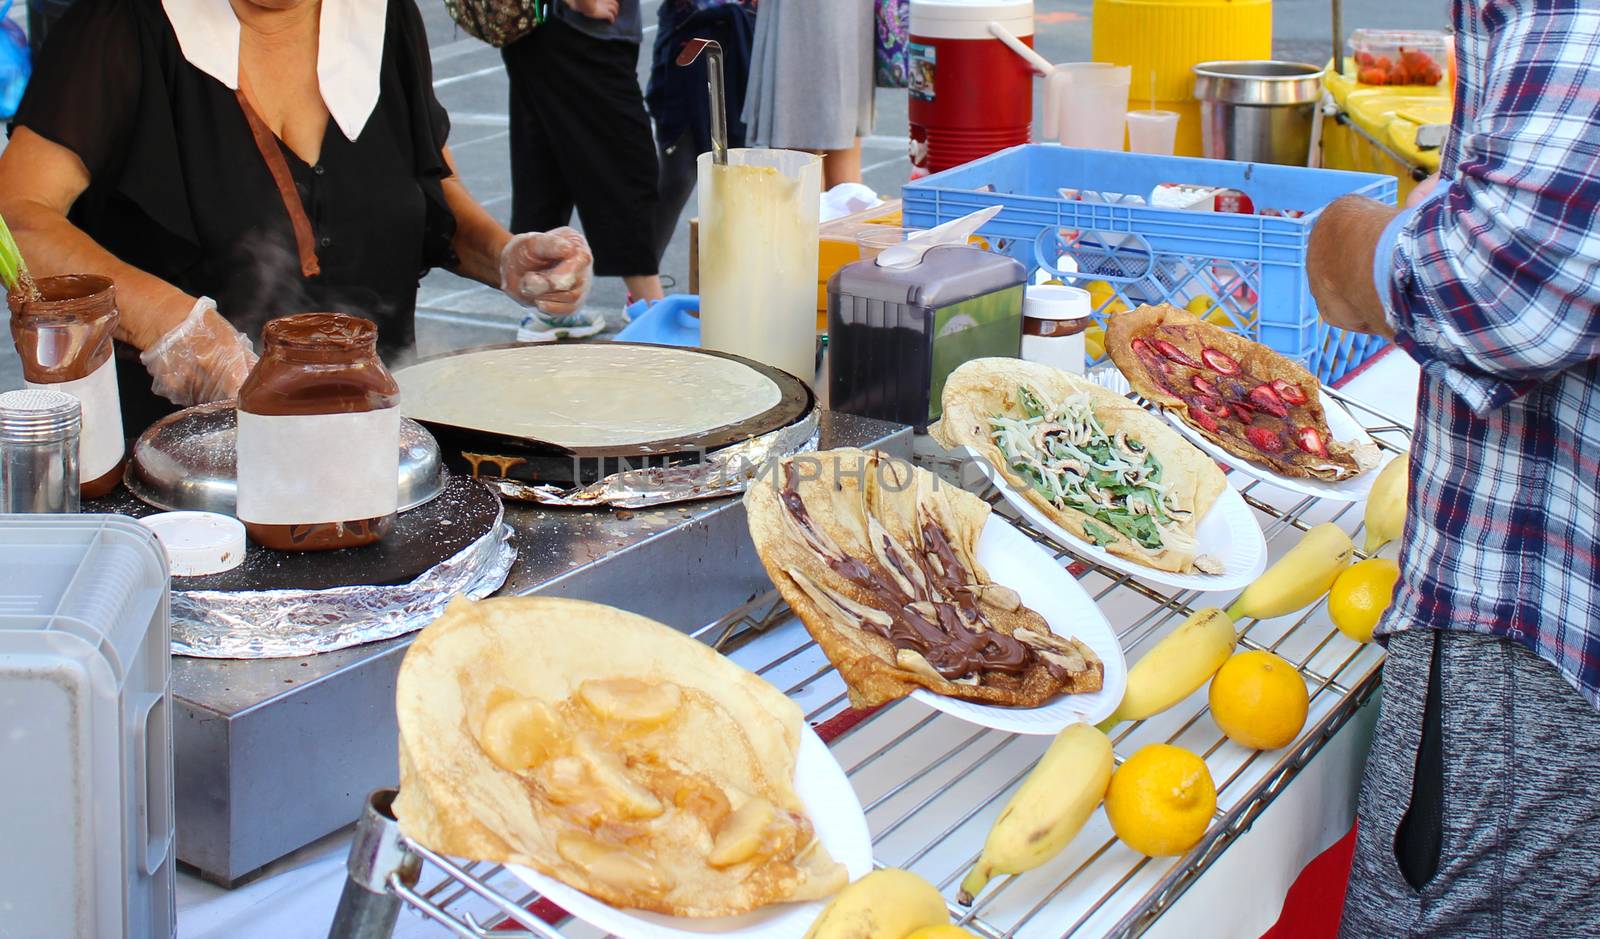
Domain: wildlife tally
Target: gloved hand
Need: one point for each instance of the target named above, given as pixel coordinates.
(549, 270)
(203, 358)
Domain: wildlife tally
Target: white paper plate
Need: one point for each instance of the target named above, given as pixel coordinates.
(1229, 533)
(1016, 561)
(1344, 427)
(835, 810)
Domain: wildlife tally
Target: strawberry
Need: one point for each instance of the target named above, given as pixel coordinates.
(1310, 441)
(1205, 420)
(1203, 386)
(1245, 412)
(1176, 354)
(1210, 406)
(1289, 392)
(1267, 441)
(1220, 362)
(1141, 348)
(1263, 397)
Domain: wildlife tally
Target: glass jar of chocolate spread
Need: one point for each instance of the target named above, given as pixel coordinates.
(319, 436)
(64, 341)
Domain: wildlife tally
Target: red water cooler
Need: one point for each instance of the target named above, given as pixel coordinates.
(970, 94)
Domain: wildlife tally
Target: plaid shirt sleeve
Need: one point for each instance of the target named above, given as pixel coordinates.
(1492, 284)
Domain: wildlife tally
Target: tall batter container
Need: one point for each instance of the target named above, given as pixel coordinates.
(759, 216)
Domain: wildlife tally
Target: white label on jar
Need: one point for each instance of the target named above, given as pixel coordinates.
(100, 445)
(309, 468)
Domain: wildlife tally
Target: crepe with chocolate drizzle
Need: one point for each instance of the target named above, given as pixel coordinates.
(879, 559)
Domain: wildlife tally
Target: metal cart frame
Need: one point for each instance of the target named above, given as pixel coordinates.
(479, 900)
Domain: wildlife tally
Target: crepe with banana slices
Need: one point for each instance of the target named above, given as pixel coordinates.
(607, 751)
(1098, 465)
(879, 559)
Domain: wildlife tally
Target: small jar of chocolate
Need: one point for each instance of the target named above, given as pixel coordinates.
(63, 337)
(319, 436)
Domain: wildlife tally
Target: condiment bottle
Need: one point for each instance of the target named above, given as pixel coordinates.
(64, 341)
(319, 436)
(1054, 319)
(39, 451)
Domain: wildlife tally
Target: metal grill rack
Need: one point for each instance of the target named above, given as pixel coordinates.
(931, 785)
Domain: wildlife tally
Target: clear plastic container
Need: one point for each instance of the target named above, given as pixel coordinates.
(1400, 56)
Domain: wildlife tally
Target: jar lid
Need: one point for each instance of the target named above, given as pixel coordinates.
(38, 415)
(969, 19)
(1056, 302)
(198, 543)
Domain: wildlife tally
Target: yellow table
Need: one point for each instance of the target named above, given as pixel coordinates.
(1376, 128)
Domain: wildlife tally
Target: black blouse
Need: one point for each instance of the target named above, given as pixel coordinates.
(179, 189)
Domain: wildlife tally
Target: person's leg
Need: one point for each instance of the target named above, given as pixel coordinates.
(841, 166)
(608, 153)
(676, 182)
(541, 198)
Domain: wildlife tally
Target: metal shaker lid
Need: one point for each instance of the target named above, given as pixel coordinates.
(36, 415)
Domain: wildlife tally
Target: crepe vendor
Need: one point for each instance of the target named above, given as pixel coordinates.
(228, 162)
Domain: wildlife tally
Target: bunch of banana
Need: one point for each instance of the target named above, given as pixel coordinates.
(1386, 504)
(1300, 578)
(885, 904)
(1049, 808)
(1176, 666)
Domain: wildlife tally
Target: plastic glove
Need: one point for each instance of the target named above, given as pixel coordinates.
(203, 358)
(549, 270)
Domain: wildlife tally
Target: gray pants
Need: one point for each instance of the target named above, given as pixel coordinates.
(1518, 847)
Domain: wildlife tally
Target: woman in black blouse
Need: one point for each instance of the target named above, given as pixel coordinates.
(252, 158)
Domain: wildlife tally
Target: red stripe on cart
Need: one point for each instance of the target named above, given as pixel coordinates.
(839, 724)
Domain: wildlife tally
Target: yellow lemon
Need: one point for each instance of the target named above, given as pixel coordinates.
(1094, 343)
(941, 932)
(1160, 800)
(1099, 292)
(1360, 596)
(1259, 700)
(1200, 305)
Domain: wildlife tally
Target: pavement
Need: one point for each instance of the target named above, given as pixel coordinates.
(471, 83)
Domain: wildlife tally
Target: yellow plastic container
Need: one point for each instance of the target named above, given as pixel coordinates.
(837, 247)
(1389, 114)
(1163, 40)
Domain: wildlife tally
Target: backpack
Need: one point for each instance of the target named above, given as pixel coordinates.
(498, 22)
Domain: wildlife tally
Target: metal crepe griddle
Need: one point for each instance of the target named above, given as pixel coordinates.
(486, 453)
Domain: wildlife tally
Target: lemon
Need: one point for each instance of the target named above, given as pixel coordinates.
(1160, 800)
(1360, 596)
(1099, 292)
(1094, 343)
(1200, 305)
(1259, 700)
(941, 932)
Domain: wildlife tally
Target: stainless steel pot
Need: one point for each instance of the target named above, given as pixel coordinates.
(1259, 111)
(185, 461)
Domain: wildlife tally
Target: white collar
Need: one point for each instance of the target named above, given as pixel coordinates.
(351, 33)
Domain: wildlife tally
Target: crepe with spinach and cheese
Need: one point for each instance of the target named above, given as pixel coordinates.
(1098, 465)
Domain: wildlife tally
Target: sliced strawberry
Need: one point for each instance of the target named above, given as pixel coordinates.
(1220, 361)
(1245, 413)
(1289, 392)
(1203, 386)
(1263, 397)
(1176, 354)
(1205, 420)
(1267, 441)
(1140, 347)
(1210, 406)
(1310, 441)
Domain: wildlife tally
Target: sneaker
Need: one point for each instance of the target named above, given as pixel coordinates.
(539, 327)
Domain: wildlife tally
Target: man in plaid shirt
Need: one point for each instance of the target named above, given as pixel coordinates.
(1479, 814)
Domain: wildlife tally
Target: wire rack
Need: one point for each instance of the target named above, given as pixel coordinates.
(931, 785)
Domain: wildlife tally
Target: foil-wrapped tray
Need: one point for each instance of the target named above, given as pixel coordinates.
(264, 624)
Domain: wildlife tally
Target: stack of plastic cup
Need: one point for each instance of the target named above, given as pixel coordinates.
(1152, 132)
(1092, 100)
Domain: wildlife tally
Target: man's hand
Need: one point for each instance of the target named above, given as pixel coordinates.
(551, 270)
(606, 10)
(1339, 264)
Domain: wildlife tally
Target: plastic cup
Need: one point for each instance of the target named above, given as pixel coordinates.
(1152, 132)
(1093, 105)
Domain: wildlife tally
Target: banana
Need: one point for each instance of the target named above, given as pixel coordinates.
(1386, 504)
(1044, 814)
(1176, 666)
(885, 904)
(1300, 577)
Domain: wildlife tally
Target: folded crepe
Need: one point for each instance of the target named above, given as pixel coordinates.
(879, 560)
(1095, 463)
(1248, 399)
(607, 751)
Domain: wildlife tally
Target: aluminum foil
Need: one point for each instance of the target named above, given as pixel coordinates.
(723, 473)
(269, 624)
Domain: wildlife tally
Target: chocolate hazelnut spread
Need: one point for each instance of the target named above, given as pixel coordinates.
(942, 633)
(319, 425)
(64, 340)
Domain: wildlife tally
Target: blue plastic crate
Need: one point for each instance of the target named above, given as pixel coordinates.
(1247, 272)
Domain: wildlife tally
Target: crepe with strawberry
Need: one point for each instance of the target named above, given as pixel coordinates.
(1244, 397)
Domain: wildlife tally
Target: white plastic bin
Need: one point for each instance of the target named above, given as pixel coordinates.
(85, 730)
